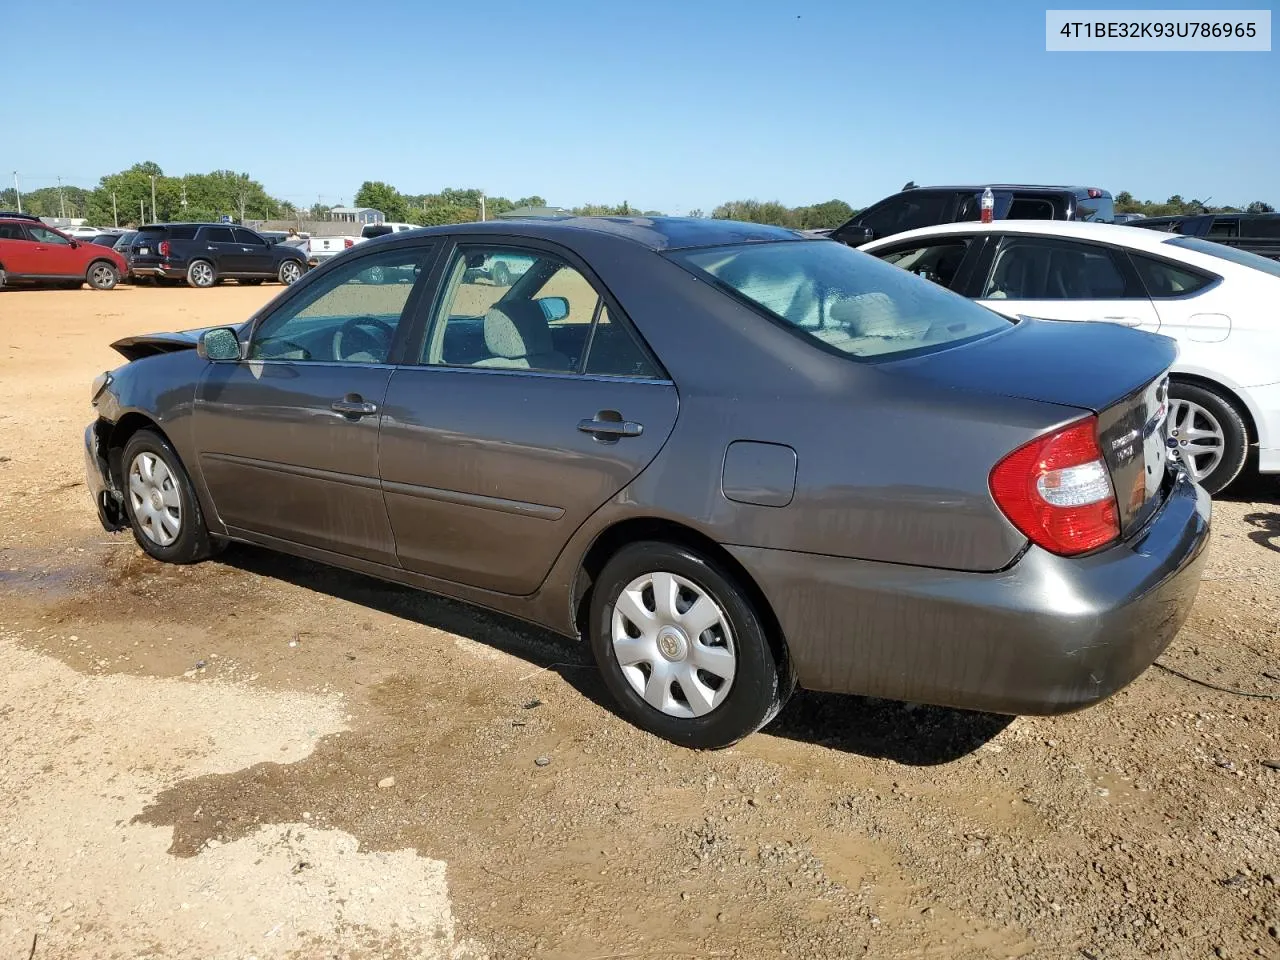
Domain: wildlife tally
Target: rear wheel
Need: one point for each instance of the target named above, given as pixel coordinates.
(290, 272)
(682, 649)
(201, 274)
(161, 503)
(1207, 434)
(102, 275)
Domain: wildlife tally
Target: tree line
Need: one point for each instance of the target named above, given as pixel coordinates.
(145, 193)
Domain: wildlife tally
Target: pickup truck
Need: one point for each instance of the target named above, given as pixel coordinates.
(320, 249)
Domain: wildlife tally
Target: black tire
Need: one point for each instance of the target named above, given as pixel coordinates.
(192, 542)
(290, 272)
(101, 275)
(760, 685)
(201, 273)
(250, 281)
(1226, 413)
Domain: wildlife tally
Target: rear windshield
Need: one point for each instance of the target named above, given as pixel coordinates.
(374, 230)
(1223, 252)
(846, 301)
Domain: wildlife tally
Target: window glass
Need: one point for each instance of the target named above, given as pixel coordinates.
(180, 233)
(1163, 279)
(45, 235)
(249, 238)
(1030, 208)
(218, 234)
(512, 309)
(1036, 268)
(1242, 257)
(843, 299)
(1223, 228)
(907, 213)
(351, 317)
(1265, 227)
(11, 231)
(614, 351)
(939, 262)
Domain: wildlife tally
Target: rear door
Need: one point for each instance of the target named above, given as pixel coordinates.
(525, 409)
(17, 250)
(288, 438)
(1056, 279)
(254, 253)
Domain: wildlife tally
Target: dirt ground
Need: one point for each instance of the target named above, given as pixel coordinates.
(261, 757)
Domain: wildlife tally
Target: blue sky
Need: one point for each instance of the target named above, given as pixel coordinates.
(669, 105)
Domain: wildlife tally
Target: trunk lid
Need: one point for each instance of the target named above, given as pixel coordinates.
(1119, 373)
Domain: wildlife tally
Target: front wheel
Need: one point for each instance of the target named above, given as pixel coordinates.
(160, 502)
(682, 649)
(290, 272)
(102, 276)
(1207, 433)
(201, 274)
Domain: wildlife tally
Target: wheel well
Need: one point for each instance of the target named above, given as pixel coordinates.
(1251, 429)
(97, 260)
(125, 428)
(620, 534)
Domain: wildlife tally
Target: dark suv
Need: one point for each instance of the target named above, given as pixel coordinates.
(204, 253)
(1255, 232)
(916, 206)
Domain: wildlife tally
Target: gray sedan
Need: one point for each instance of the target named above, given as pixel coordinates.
(730, 457)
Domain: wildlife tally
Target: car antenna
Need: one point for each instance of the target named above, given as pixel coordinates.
(909, 185)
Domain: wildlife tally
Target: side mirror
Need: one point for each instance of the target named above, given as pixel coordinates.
(74, 242)
(554, 308)
(219, 344)
(855, 234)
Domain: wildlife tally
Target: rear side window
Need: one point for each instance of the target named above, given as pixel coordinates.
(1030, 208)
(846, 301)
(1223, 228)
(175, 233)
(1163, 279)
(11, 231)
(614, 352)
(1040, 268)
(1267, 229)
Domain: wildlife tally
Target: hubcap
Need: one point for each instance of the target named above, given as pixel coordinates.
(1195, 437)
(102, 277)
(154, 496)
(290, 271)
(673, 643)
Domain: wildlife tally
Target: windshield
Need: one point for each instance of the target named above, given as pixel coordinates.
(846, 300)
(1242, 257)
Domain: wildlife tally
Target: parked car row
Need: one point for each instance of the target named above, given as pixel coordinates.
(199, 254)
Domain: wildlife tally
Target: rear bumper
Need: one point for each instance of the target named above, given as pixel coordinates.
(98, 479)
(165, 271)
(1048, 635)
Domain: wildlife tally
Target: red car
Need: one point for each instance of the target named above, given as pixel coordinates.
(31, 252)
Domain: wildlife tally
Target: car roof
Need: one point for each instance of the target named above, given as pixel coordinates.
(1007, 186)
(654, 233)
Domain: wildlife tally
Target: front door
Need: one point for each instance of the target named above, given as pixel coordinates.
(531, 405)
(288, 438)
(252, 252)
(54, 254)
(1056, 279)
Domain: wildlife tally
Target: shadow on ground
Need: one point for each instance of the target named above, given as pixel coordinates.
(905, 733)
(1268, 529)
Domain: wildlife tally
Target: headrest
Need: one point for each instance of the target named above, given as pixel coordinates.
(517, 329)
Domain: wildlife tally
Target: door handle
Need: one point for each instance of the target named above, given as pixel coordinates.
(609, 425)
(354, 407)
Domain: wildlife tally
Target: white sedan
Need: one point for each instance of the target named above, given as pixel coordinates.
(1222, 305)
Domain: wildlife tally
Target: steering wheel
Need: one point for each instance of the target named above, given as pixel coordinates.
(353, 326)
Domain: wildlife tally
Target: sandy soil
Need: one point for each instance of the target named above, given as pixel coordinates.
(263, 757)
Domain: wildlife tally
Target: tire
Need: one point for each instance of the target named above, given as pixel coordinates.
(724, 709)
(161, 486)
(290, 272)
(2, 278)
(1209, 415)
(102, 275)
(250, 281)
(501, 274)
(200, 273)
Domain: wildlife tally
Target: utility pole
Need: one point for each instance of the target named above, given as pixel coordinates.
(482, 206)
(16, 192)
(142, 212)
(62, 207)
(114, 215)
(153, 196)
(184, 195)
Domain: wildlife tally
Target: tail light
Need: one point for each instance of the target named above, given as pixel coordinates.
(348, 243)
(163, 248)
(1057, 490)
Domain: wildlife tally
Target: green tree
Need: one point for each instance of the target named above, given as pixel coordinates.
(831, 213)
(384, 197)
(1259, 206)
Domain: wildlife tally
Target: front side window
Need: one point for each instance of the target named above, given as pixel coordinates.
(350, 317)
(1040, 268)
(218, 234)
(249, 238)
(938, 261)
(514, 309)
(45, 235)
(847, 301)
(907, 213)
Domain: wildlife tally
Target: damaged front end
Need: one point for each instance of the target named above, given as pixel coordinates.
(106, 496)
